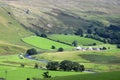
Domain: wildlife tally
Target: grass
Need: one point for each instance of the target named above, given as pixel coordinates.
(107, 60)
(11, 33)
(70, 38)
(97, 76)
(44, 43)
(11, 64)
(23, 73)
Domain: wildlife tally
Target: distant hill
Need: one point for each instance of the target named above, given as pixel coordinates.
(23, 18)
(65, 16)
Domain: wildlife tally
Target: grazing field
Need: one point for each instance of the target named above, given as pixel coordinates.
(11, 64)
(106, 60)
(17, 73)
(97, 76)
(44, 43)
(70, 38)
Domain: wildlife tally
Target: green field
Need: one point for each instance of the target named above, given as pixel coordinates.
(97, 76)
(44, 43)
(70, 38)
(11, 64)
(108, 60)
(23, 73)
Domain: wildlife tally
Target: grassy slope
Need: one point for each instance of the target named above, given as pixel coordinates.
(47, 12)
(94, 60)
(23, 73)
(98, 76)
(44, 43)
(70, 38)
(12, 63)
(11, 33)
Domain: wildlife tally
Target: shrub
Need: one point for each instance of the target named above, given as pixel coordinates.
(22, 65)
(104, 48)
(52, 66)
(31, 51)
(46, 75)
(76, 66)
(74, 43)
(82, 67)
(66, 65)
(79, 32)
(60, 49)
(36, 66)
(118, 46)
(28, 79)
(53, 47)
(94, 44)
(43, 35)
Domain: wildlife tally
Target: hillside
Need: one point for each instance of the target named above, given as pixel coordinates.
(56, 16)
(11, 33)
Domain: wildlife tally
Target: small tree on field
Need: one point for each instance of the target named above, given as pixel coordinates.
(36, 66)
(46, 75)
(66, 65)
(53, 47)
(31, 51)
(52, 66)
(118, 46)
(22, 65)
(82, 68)
(74, 43)
(104, 48)
(79, 32)
(76, 66)
(28, 79)
(60, 49)
(94, 44)
(43, 35)
(89, 31)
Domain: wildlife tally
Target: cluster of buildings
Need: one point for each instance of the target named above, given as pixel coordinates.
(90, 48)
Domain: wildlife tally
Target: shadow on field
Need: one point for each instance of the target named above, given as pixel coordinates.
(100, 58)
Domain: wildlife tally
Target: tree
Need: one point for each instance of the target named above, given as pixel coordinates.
(53, 47)
(94, 44)
(66, 65)
(104, 48)
(36, 66)
(79, 32)
(31, 51)
(76, 66)
(22, 65)
(118, 46)
(46, 75)
(89, 31)
(52, 66)
(60, 49)
(74, 43)
(28, 79)
(82, 68)
(43, 35)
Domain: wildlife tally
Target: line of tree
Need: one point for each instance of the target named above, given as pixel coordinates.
(65, 65)
(110, 33)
